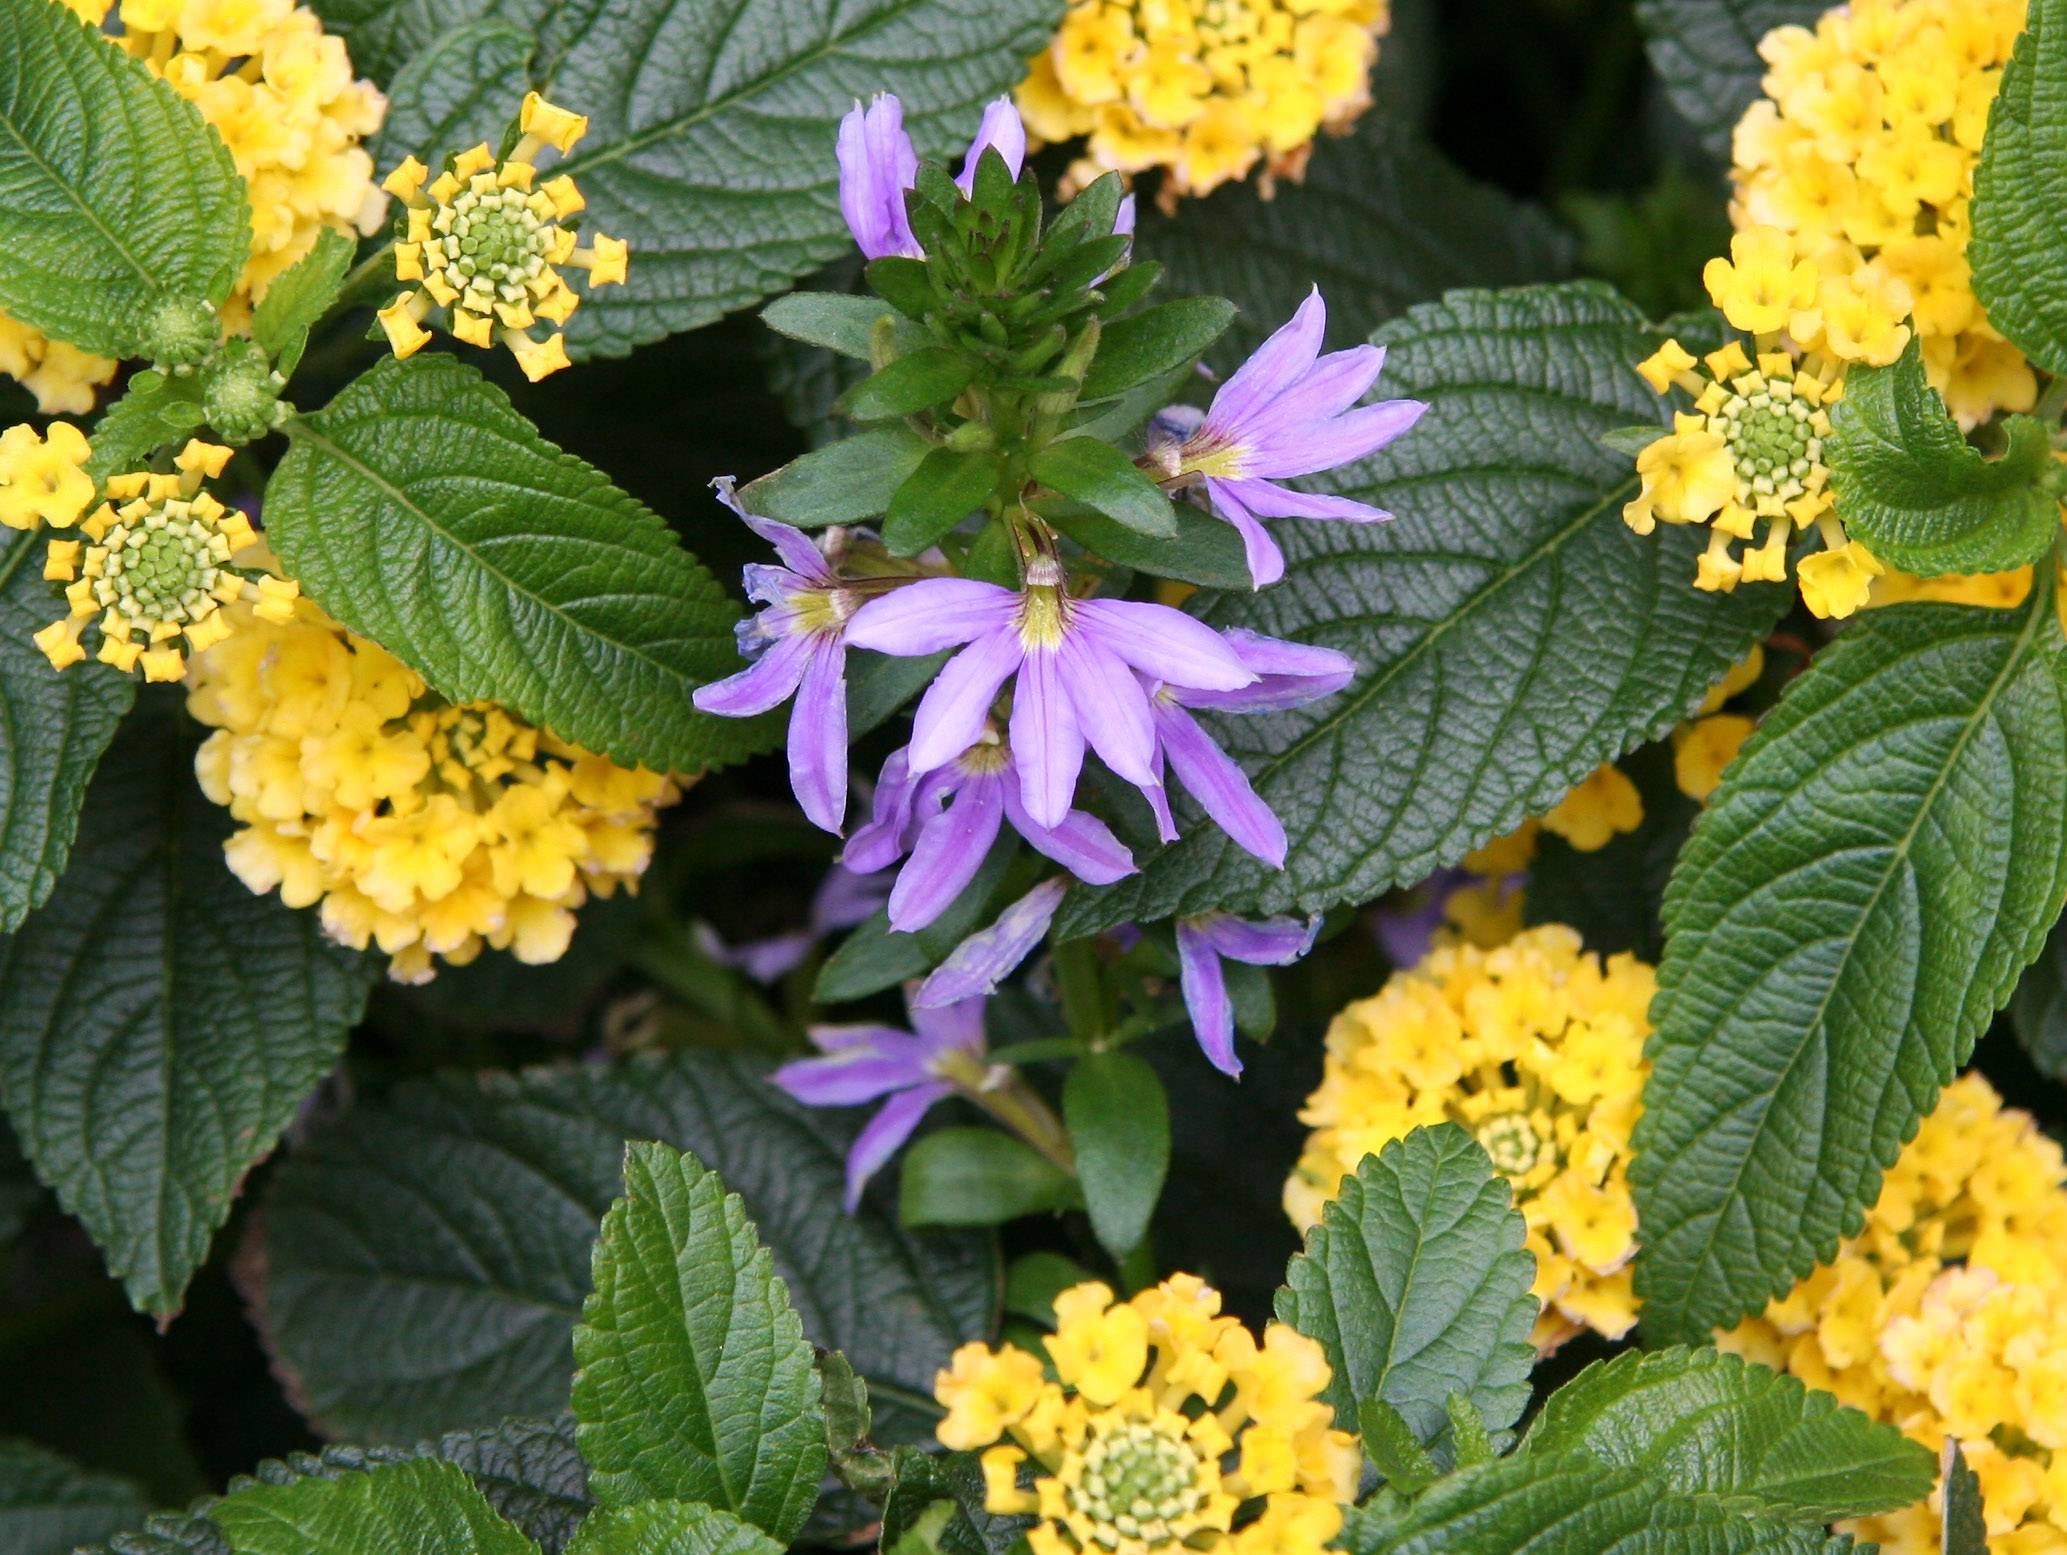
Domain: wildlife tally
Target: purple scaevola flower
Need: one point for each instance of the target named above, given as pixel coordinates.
(878, 164)
(1202, 943)
(1073, 663)
(842, 900)
(798, 648)
(1285, 412)
(868, 1063)
(986, 958)
(948, 818)
(1287, 675)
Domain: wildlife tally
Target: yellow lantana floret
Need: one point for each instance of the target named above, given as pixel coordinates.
(1205, 90)
(484, 242)
(429, 830)
(1163, 1421)
(43, 479)
(1535, 1048)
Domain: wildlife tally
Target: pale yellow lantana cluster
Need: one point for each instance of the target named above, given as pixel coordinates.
(1203, 89)
(1536, 1048)
(426, 829)
(1947, 1317)
(1162, 1422)
(281, 93)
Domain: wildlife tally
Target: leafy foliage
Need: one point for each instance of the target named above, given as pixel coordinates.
(2020, 271)
(1416, 1284)
(456, 92)
(299, 297)
(1859, 897)
(49, 1504)
(694, 1381)
(423, 511)
(1707, 51)
(1509, 635)
(114, 193)
(471, 1205)
(420, 1507)
(1910, 485)
(159, 1024)
(670, 1528)
(979, 1177)
(1963, 1527)
(1119, 1126)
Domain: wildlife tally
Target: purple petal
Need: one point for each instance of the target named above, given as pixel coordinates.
(1222, 789)
(845, 898)
(1082, 844)
(888, 1129)
(949, 850)
(1407, 933)
(768, 682)
(792, 545)
(1277, 364)
(877, 164)
(880, 843)
(931, 614)
(1327, 389)
(1288, 675)
(818, 740)
(764, 960)
(1164, 644)
(1123, 218)
(952, 714)
(857, 1073)
(1204, 984)
(1262, 941)
(1001, 131)
(1260, 553)
(983, 960)
(1110, 706)
(1047, 744)
(951, 1028)
(1343, 440)
(1269, 500)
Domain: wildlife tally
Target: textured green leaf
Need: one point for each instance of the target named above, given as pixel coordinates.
(421, 1507)
(929, 376)
(670, 1528)
(1854, 904)
(159, 1024)
(2020, 188)
(53, 728)
(155, 409)
(1394, 1449)
(1909, 484)
(693, 1379)
(1571, 1505)
(2038, 1010)
(423, 511)
(471, 1205)
(841, 483)
(1381, 221)
(1700, 1420)
(461, 89)
(1416, 1284)
(1104, 479)
(1119, 1126)
(1963, 1524)
(837, 321)
(114, 192)
(1707, 52)
(49, 1505)
(979, 1177)
(1510, 633)
(948, 485)
(300, 296)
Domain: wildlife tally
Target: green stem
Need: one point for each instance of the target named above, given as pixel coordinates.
(1012, 1102)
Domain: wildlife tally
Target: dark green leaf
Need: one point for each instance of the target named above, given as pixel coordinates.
(53, 728)
(473, 1202)
(875, 956)
(1204, 550)
(2038, 1011)
(1700, 1420)
(1962, 1525)
(979, 1177)
(1511, 634)
(1908, 483)
(1107, 481)
(49, 1505)
(1035, 1279)
(841, 483)
(300, 296)
(878, 684)
(948, 485)
(1155, 341)
(693, 1380)
(1857, 900)
(929, 376)
(423, 511)
(159, 1024)
(922, 1481)
(835, 320)
(114, 192)
(1707, 52)
(420, 1507)
(461, 89)
(2020, 188)
(1119, 1126)
(1416, 1284)
(669, 1528)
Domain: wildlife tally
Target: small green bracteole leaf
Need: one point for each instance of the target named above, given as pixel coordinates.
(117, 199)
(1119, 1127)
(694, 1380)
(1963, 1524)
(1472, 1443)
(420, 1507)
(1882, 861)
(1154, 341)
(1910, 486)
(668, 1528)
(156, 409)
(423, 511)
(2020, 188)
(948, 485)
(1416, 1284)
(980, 1177)
(1394, 1449)
(1203, 550)
(929, 376)
(1701, 1420)
(842, 483)
(1106, 481)
(835, 320)
(299, 297)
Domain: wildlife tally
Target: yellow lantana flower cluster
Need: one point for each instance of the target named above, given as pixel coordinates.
(1863, 151)
(1947, 1317)
(426, 829)
(486, 246)
(281, 93)
(1203, 89)
(156, 563)
(1536, 1048)
(1162, 1420)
